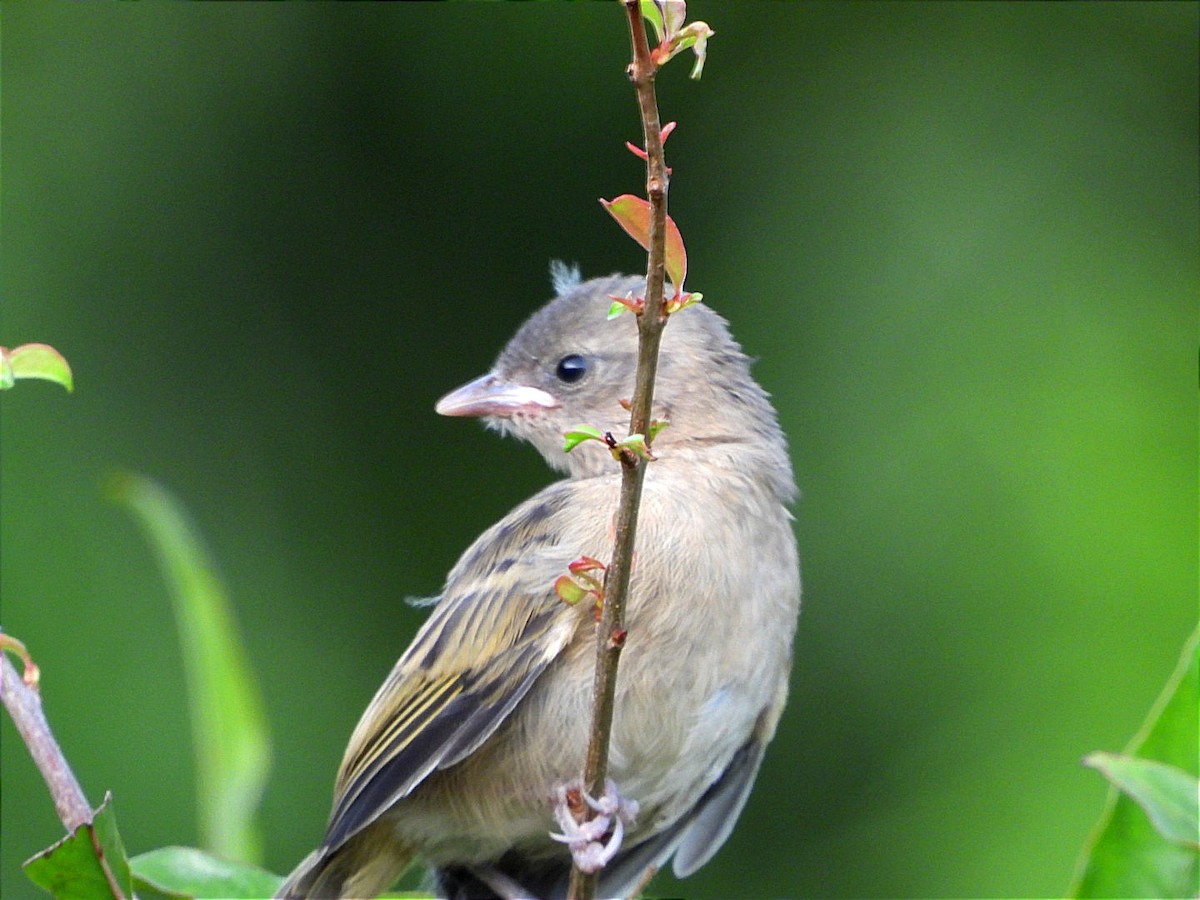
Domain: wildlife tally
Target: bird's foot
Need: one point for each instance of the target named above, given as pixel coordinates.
(585, 835)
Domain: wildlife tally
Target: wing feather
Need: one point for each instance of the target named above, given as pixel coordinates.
(496, 628)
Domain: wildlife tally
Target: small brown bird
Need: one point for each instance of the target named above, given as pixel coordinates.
(461, 756)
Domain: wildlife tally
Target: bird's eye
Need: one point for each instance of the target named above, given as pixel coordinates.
(571, 368)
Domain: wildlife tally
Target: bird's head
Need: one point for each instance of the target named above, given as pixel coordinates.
(571, 365)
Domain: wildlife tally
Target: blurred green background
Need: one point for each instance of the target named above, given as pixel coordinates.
(962, 239)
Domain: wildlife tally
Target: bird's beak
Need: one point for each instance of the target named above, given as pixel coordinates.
(492, 396)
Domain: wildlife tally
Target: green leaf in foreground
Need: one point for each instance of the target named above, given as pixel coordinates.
(186, 872)
(88, 863)
(34, 361)
(229, 725)
(1126, 855)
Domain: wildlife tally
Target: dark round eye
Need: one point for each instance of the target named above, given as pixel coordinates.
(571, 368)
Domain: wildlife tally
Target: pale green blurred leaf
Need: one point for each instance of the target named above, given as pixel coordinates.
(1167, 794)
(1126, 856)
(187, 872)
(73, 869)
(229, 725)
(34, 361)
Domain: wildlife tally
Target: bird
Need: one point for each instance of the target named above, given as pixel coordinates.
(464, 752)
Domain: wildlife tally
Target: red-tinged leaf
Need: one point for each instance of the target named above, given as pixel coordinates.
(633, 214)
(666, 131)
(628, 303)
(683, 301)
(586, 564)
(568, 591)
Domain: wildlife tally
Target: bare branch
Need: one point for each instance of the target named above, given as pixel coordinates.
(25, 707)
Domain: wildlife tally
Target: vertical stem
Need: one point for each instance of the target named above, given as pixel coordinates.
(610, 634)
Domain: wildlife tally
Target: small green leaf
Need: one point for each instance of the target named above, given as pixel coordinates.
(1168, 795)
(34, 361)
(187, 872)
(578, 435)
(229, 725)
(636, 444)
(88, 863)
(568, 590)
(656, 426)
(633, 214)
(616, 309)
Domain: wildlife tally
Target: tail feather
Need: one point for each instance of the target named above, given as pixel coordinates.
(357, 870)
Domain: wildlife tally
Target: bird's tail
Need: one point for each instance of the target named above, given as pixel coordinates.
(354, 870)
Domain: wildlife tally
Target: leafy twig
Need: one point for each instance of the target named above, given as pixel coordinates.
(610, 635)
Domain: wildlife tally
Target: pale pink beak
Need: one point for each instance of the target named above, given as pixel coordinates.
(490, 396)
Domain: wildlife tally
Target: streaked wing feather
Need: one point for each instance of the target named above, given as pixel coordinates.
(496, 629)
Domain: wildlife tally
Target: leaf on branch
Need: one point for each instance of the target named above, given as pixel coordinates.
(635, 444)
(666, 17)
(586, 564)
(32, 674)
(578, 435)
(34, 361)
(633, 214)
(628, 303)
(88, 862)
(683, 301)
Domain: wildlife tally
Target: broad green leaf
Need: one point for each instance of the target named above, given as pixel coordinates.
(187, 872)
(34, 361)
(633, 214)
(578, 435)
(1126, 856)
(229, 725)
(88, 864)
(1168, 795)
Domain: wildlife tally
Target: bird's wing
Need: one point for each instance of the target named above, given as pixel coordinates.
(497, 627)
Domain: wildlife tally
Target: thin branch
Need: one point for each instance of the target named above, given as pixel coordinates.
(610, 635)
(25, 706)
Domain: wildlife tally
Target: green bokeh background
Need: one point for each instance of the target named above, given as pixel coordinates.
(962, 239)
